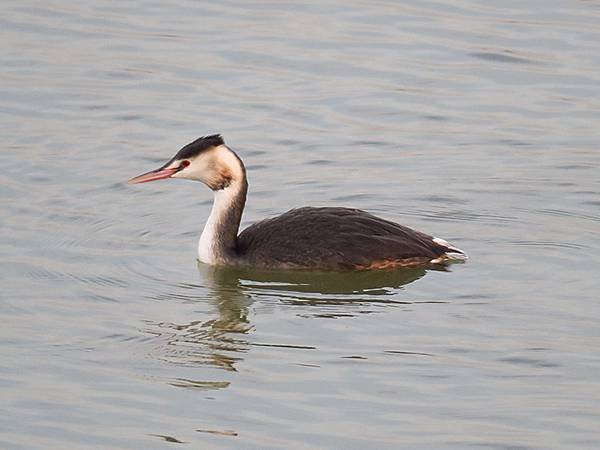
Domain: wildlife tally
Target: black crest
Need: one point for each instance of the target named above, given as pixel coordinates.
(198, 146)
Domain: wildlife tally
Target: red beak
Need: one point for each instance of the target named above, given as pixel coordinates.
(153, 175)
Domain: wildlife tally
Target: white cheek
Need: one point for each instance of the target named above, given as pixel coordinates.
(179, 174)
(189, 173)
(197, 170)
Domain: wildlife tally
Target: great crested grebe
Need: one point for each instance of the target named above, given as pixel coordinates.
(329, 238)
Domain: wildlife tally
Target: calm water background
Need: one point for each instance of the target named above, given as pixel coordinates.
(473, 122)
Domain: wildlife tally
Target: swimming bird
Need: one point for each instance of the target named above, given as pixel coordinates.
(326, 238)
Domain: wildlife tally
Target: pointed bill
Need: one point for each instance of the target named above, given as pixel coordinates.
(153, 175)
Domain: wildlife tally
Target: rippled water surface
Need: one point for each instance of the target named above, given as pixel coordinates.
(474, 122)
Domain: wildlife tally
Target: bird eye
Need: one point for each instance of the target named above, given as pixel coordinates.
(184, 164)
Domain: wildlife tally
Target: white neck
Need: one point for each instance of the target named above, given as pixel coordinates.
(219, 236)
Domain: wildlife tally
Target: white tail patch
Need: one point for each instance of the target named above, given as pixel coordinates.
(453, 253)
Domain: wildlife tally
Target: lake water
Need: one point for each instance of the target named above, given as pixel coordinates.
(474, 122)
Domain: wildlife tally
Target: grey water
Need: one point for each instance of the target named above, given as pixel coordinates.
(474, 121)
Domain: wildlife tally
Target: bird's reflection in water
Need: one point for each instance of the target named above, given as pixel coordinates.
(216, 342)
(330, 286)
(220, 341)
